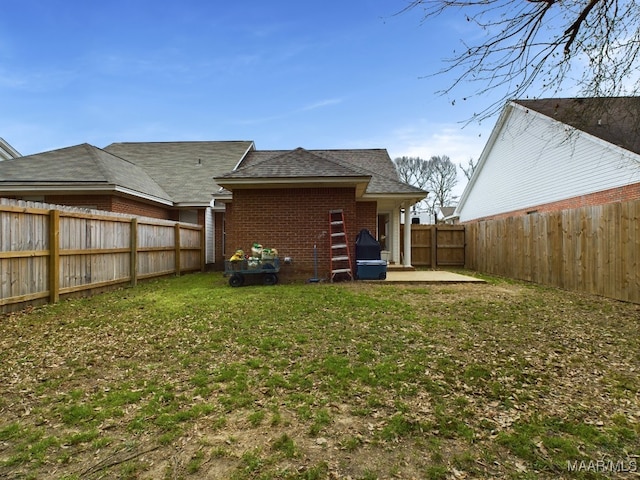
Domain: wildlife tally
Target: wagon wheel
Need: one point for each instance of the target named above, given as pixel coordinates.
(270, 279)
(236, 280)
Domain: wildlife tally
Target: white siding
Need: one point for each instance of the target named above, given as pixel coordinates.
(535, 160)
(208, 234)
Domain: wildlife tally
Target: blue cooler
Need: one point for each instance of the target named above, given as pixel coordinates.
(371, 269)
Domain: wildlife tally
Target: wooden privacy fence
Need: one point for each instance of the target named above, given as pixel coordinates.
(591, 249)
(436, 245)
(49, 251)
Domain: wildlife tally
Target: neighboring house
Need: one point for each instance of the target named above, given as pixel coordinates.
(282, 199)
(170, 181)
(278, 198)
(185, 170)
(447, 215)
(7, 151)
(553, 154)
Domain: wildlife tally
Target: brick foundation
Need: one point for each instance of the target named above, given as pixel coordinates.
(613, 195)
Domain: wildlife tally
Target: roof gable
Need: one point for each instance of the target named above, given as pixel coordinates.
(372, 163)
(615, 120)
(299, 168)
(532, 158)
(7, 151)
(298, 163)
(80, 165)
(185, 170)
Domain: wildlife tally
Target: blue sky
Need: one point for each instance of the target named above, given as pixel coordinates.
(286, 74)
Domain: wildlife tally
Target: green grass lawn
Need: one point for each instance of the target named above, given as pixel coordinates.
(190, 378)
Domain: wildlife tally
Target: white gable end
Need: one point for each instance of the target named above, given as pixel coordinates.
(532, 160)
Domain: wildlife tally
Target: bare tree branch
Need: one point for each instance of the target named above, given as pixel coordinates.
(540, 47)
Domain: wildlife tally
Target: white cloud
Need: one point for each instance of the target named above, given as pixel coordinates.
(320, 104)
(427, 139)
(292, 112)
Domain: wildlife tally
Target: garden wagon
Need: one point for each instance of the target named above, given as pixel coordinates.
(237, 270)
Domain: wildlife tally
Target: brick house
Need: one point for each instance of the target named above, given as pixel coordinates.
(166, 180)
(282, 199)
(553, 154)
(278, 198)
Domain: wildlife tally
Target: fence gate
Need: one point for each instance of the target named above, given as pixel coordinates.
(436, 245)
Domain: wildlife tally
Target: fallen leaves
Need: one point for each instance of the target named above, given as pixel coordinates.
(466, 373)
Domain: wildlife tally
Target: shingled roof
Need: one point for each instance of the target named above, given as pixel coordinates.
(615, 119)
(298, 163)
(372, 164)
(185, 170)
(83, 167)
(184, 173)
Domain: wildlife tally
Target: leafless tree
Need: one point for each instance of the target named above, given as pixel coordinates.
(413, 170)
(591, 45)
(437, 175)
(442, 180)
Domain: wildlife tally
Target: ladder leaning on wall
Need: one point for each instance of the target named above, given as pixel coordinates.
(339, 254)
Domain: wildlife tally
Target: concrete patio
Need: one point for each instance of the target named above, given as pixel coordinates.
(395, 275)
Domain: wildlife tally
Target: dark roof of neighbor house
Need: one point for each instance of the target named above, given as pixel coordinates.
(185, 170)
(81, 165)
(615, 120)
(300, 163)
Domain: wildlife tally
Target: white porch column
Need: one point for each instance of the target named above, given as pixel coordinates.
(407, 236)
(394, 243)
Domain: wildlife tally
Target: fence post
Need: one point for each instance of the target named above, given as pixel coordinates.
(203, 250)
(177, 246)
(54, 256)
(133, 258)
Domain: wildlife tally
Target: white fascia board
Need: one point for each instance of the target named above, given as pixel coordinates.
(252, 146)
(191, 205)
(9, 151)
(251, 182)
(359, 183)
(144, 196)
(39, 187)
(399, 197)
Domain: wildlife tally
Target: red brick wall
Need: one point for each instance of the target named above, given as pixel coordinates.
(293, 220)
(619, 194)
(111, 203)
(131, 207)
(367, 216)
(99, 202)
